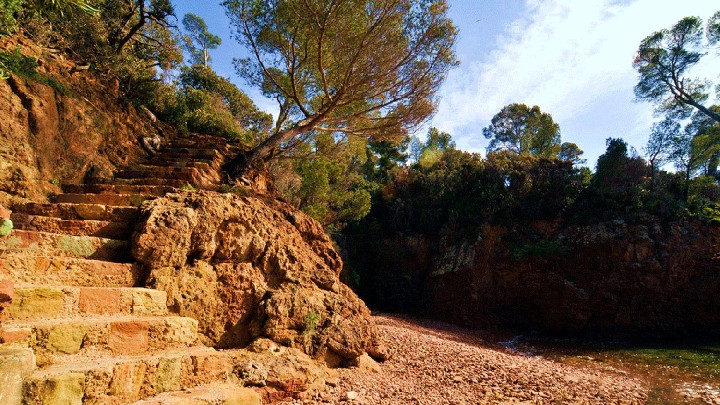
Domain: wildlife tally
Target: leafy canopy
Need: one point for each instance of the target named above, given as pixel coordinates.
(663, 61)
(199, 41)
(365, 68)
(519, 129)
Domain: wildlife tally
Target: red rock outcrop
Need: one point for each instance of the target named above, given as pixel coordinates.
(48, 136)
(249, 267)
(613, 277)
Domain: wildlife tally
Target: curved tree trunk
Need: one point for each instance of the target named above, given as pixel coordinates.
(270, 147)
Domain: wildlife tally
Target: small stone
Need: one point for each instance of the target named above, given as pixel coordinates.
(351, 395)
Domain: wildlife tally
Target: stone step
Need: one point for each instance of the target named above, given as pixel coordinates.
(101, 229)
(171, 160)
(150, 190)
(36, 302)
(53, 244)
(210, 394)
(188, 174)
(61, 270)
(53, 339)
(125, 379)
(211, 164)
(175, 165)
(94, 212)
(199, 143)
(152, 181)
(184, 153)
(115, 200)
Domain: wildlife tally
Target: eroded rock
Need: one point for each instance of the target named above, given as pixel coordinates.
(249, 267)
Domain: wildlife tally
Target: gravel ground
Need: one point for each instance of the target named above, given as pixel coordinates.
(436, 363)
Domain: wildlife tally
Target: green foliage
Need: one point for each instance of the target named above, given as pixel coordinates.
(663, 60)
(311, 322)
(188, 187)
(570, 152)
(6, 227)
(617, 186)
(8, 12)
(25, 66)
(230, 103)
(325, 180)
(659, 146)
(198, 41)
(711, 214)
(357, 67)
(521, 129)
(207, 114)
(204, 102)
(61, 7)
(233, 189)
(435, 146)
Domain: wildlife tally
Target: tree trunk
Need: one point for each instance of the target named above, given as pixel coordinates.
(710, 113)
(713, 164)
(269, 147)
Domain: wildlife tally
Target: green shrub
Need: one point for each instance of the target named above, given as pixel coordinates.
(312, 319)
(8, 11)
(26, 66)
(711, 214)
(6, 227)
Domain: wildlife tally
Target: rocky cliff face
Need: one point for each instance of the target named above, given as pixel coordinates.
(250, 267)
(613, 277)
(48, 136)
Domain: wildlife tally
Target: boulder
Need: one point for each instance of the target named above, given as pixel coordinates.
(249, 267)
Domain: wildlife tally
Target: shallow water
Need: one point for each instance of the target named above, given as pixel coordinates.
(686, 373)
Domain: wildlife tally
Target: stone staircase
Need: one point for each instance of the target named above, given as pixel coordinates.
(80, 328)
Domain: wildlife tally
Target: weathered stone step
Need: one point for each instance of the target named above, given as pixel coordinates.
(149, 190)
(187, 153)
(53, 244)
(151, 181)
(59, 270)
(211, 164)
(199, 143)
(125, 379)
(115, 200)
(54, 338)
(94, 212)
(101, 229)
(210, 394)
(161, 158)
(188, 174)
(35, 302)
(175, 165)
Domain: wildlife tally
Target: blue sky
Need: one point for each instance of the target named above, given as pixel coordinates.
(573, 58)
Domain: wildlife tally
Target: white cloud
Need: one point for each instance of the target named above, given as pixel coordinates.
(568, 57)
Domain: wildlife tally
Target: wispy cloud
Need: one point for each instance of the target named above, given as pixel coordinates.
(572, 58)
